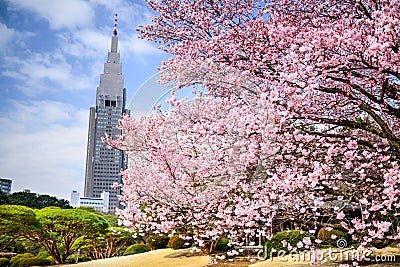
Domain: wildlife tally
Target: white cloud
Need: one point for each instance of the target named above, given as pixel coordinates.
(43, 147)
(39, 72)
(83, 44)
(6, 35)
(59, 13)
(49, 112)
(10, 36)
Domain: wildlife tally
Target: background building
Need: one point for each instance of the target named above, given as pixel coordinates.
(100, 204)
(5, 185)
(103, 166)
(75, 199)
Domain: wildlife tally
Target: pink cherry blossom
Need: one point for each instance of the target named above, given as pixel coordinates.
(297, 119)
(340, 215)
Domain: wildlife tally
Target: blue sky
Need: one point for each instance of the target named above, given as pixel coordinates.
(52, 53)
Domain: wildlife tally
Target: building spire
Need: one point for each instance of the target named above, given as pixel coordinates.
(114, 41)
(115, 24)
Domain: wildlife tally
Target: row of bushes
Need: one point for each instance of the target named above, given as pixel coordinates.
(175, 242)
(282, 240)
(42, 259)
(25, 260)
(293, 237)
(28, 259)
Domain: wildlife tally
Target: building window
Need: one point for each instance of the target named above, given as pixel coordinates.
(110, 103)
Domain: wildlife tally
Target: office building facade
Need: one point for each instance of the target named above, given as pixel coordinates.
(100, 204)
(103, 165)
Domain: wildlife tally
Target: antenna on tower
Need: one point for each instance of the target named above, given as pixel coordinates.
(115, 24)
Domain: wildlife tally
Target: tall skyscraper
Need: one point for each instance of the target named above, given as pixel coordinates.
(103, 166)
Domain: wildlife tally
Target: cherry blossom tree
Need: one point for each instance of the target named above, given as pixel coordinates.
(191, 170)
(330, 72)
(299, 123)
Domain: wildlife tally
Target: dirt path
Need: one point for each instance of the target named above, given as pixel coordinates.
(154, 258)
(179, 258)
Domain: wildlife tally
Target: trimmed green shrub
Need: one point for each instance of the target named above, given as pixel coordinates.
(292, 237)
(42, 253)
(175, 242)
(77, 258)
(326, 236)
(157, 241)
(4, 262)
(50, 258)
(16, 260)
(222, 245)
(35, 261)
(136, 249)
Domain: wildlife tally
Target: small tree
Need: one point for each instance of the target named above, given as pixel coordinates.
(14, 221)
(109, 244)
(61, 229)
